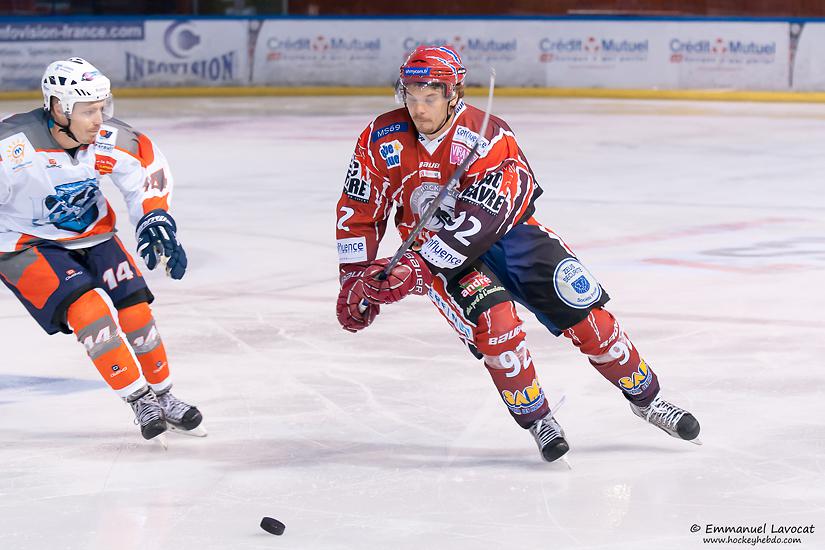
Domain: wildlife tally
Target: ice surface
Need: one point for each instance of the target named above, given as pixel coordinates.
(705, 221)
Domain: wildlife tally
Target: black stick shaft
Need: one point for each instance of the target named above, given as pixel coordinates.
(439, 199)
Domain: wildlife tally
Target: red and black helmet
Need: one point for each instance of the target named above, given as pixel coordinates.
(433, 65)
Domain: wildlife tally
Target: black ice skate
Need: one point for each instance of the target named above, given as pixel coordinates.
(181, 416)
(549, 437)
(148, 413)
(675, 421)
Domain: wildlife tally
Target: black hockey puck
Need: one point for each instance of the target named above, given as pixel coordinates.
(271, 525)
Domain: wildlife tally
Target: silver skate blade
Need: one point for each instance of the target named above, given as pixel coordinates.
(695, 441)
(161, 439)
(566, 462)
(197, 431)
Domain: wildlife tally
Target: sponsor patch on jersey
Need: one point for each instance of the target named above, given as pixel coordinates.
(354, 186)
(486, 193)
(391, 153)
(106, 139)
(72, 273)
(526, 400)
(473, 282)
(637, 382)
(458, 153)
(575, 285)
(440, 254)
(52, 163)
(104, 165)
(352, 249)
(468, 137)
(432, 174)
(17, 154)
(391, 129)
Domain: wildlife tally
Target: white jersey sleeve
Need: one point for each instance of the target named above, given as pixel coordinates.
(136, 166)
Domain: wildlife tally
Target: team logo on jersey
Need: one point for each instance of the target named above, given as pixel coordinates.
(356, 188)
(421, 198)
(391, 152)
(637, 382)
(394, 128)
(73, 206)
(526, 400)
(486, 193)
(575, 285)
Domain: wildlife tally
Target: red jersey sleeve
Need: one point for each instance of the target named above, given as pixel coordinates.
(364, 207)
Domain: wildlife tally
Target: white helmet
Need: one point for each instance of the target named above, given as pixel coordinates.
(75, 80)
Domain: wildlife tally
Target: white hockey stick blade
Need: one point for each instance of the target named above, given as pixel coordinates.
(197, 431)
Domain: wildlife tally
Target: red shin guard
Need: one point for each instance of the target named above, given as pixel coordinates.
(500, 338)
(601, 338)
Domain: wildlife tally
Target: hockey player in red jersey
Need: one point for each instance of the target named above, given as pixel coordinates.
(59, 252)
(481, 253)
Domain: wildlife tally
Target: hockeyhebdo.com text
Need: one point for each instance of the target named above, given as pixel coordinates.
(765, 533)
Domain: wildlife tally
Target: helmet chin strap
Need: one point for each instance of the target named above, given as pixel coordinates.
(63, 128)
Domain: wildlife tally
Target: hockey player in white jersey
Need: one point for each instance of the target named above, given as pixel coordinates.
(59, 252)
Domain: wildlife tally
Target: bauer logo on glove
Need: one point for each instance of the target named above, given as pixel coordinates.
(410, 276)
(158, 243)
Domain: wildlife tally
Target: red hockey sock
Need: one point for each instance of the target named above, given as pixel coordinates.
(500, 338)
(601, 338)
(139, 325)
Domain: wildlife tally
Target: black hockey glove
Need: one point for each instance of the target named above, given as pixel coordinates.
(157, 243)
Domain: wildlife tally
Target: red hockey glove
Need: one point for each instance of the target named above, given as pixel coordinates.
(349, 299)
(410, 276)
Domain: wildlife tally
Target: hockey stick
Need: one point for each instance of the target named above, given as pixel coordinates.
(436, 202)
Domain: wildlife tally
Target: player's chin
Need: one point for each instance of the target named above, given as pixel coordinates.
(424, 127)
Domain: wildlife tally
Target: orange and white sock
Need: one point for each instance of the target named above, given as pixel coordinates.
(142, 333)
(92, 322)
